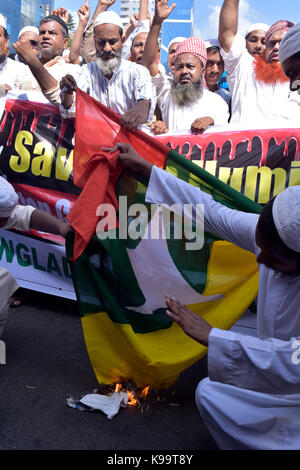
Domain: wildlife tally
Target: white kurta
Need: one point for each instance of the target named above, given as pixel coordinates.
(252, 396)
(182, 117)
(9, 70)
(254, 101)
(129, 84)
(57, 67)
(20, 220)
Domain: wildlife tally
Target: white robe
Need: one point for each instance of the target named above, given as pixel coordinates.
(253, 101)
(20, 220)
(182, 117)
(251, 399)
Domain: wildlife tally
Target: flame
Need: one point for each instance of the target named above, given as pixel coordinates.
(145, 392)
(133, 399)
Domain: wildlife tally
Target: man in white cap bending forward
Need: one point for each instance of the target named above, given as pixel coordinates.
(13, 215)
(251, 397)
(123, 86)
(289, 57)
(258, 86)
(9, 68)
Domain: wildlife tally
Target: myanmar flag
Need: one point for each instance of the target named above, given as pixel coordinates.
(121, 281)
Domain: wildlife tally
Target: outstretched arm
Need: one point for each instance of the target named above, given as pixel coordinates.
(228, 23)
(42, 221)
(162, 11)
(41, 74)
(83, 17)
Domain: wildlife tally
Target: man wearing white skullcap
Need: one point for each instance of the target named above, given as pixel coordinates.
(13, 215)
(123, 86)
(172, 46)
(258, 86)
(289, 56)
(30, 33)
(251, 397)
(255, 38)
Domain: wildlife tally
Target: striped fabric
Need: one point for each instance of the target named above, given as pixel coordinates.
(194, 46)
(130, 83)
(281, 25)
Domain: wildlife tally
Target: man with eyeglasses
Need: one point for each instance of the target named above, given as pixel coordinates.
(259, 88)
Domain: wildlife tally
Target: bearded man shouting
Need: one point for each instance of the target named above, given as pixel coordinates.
(123, 86)
(259, 88)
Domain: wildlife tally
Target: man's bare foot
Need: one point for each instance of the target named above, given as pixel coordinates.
(191, 323)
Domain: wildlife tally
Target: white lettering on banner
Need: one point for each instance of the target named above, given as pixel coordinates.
(296, 354)
(2, 352)
(63, 207)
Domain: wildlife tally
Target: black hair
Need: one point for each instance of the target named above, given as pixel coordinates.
(63, 24)
(213, 49)
(268, 231)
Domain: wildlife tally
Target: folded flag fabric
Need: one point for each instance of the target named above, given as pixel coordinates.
(121, 281)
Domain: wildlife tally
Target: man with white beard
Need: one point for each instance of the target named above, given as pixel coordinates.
(183, 101)
(123, 86)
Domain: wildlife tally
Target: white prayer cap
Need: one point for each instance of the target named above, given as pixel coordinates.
(290, 44)
(257, 27)
(286, 215)
(28, 29)
(212, 43)
(175, 41)
(139, 31)
(8, 198)
(2, 21)
(109, 17)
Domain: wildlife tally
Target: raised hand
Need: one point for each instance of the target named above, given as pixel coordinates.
(24, 49)
(84, 13)
(162, 10)
(62, 13)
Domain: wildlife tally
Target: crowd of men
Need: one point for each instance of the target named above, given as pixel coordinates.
(251, 398)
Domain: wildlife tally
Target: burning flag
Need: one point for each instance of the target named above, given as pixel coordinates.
(121, 281)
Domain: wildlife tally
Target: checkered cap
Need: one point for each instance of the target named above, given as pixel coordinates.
(193, 46)
(282, 25)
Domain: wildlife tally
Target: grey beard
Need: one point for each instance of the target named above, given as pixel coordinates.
(107, 67)
(187, 93)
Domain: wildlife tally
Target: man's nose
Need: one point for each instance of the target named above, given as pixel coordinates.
(107, 47)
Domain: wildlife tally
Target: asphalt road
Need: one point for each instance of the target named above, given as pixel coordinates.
(47, 362)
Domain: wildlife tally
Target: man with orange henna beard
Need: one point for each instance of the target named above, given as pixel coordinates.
(259, 88)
